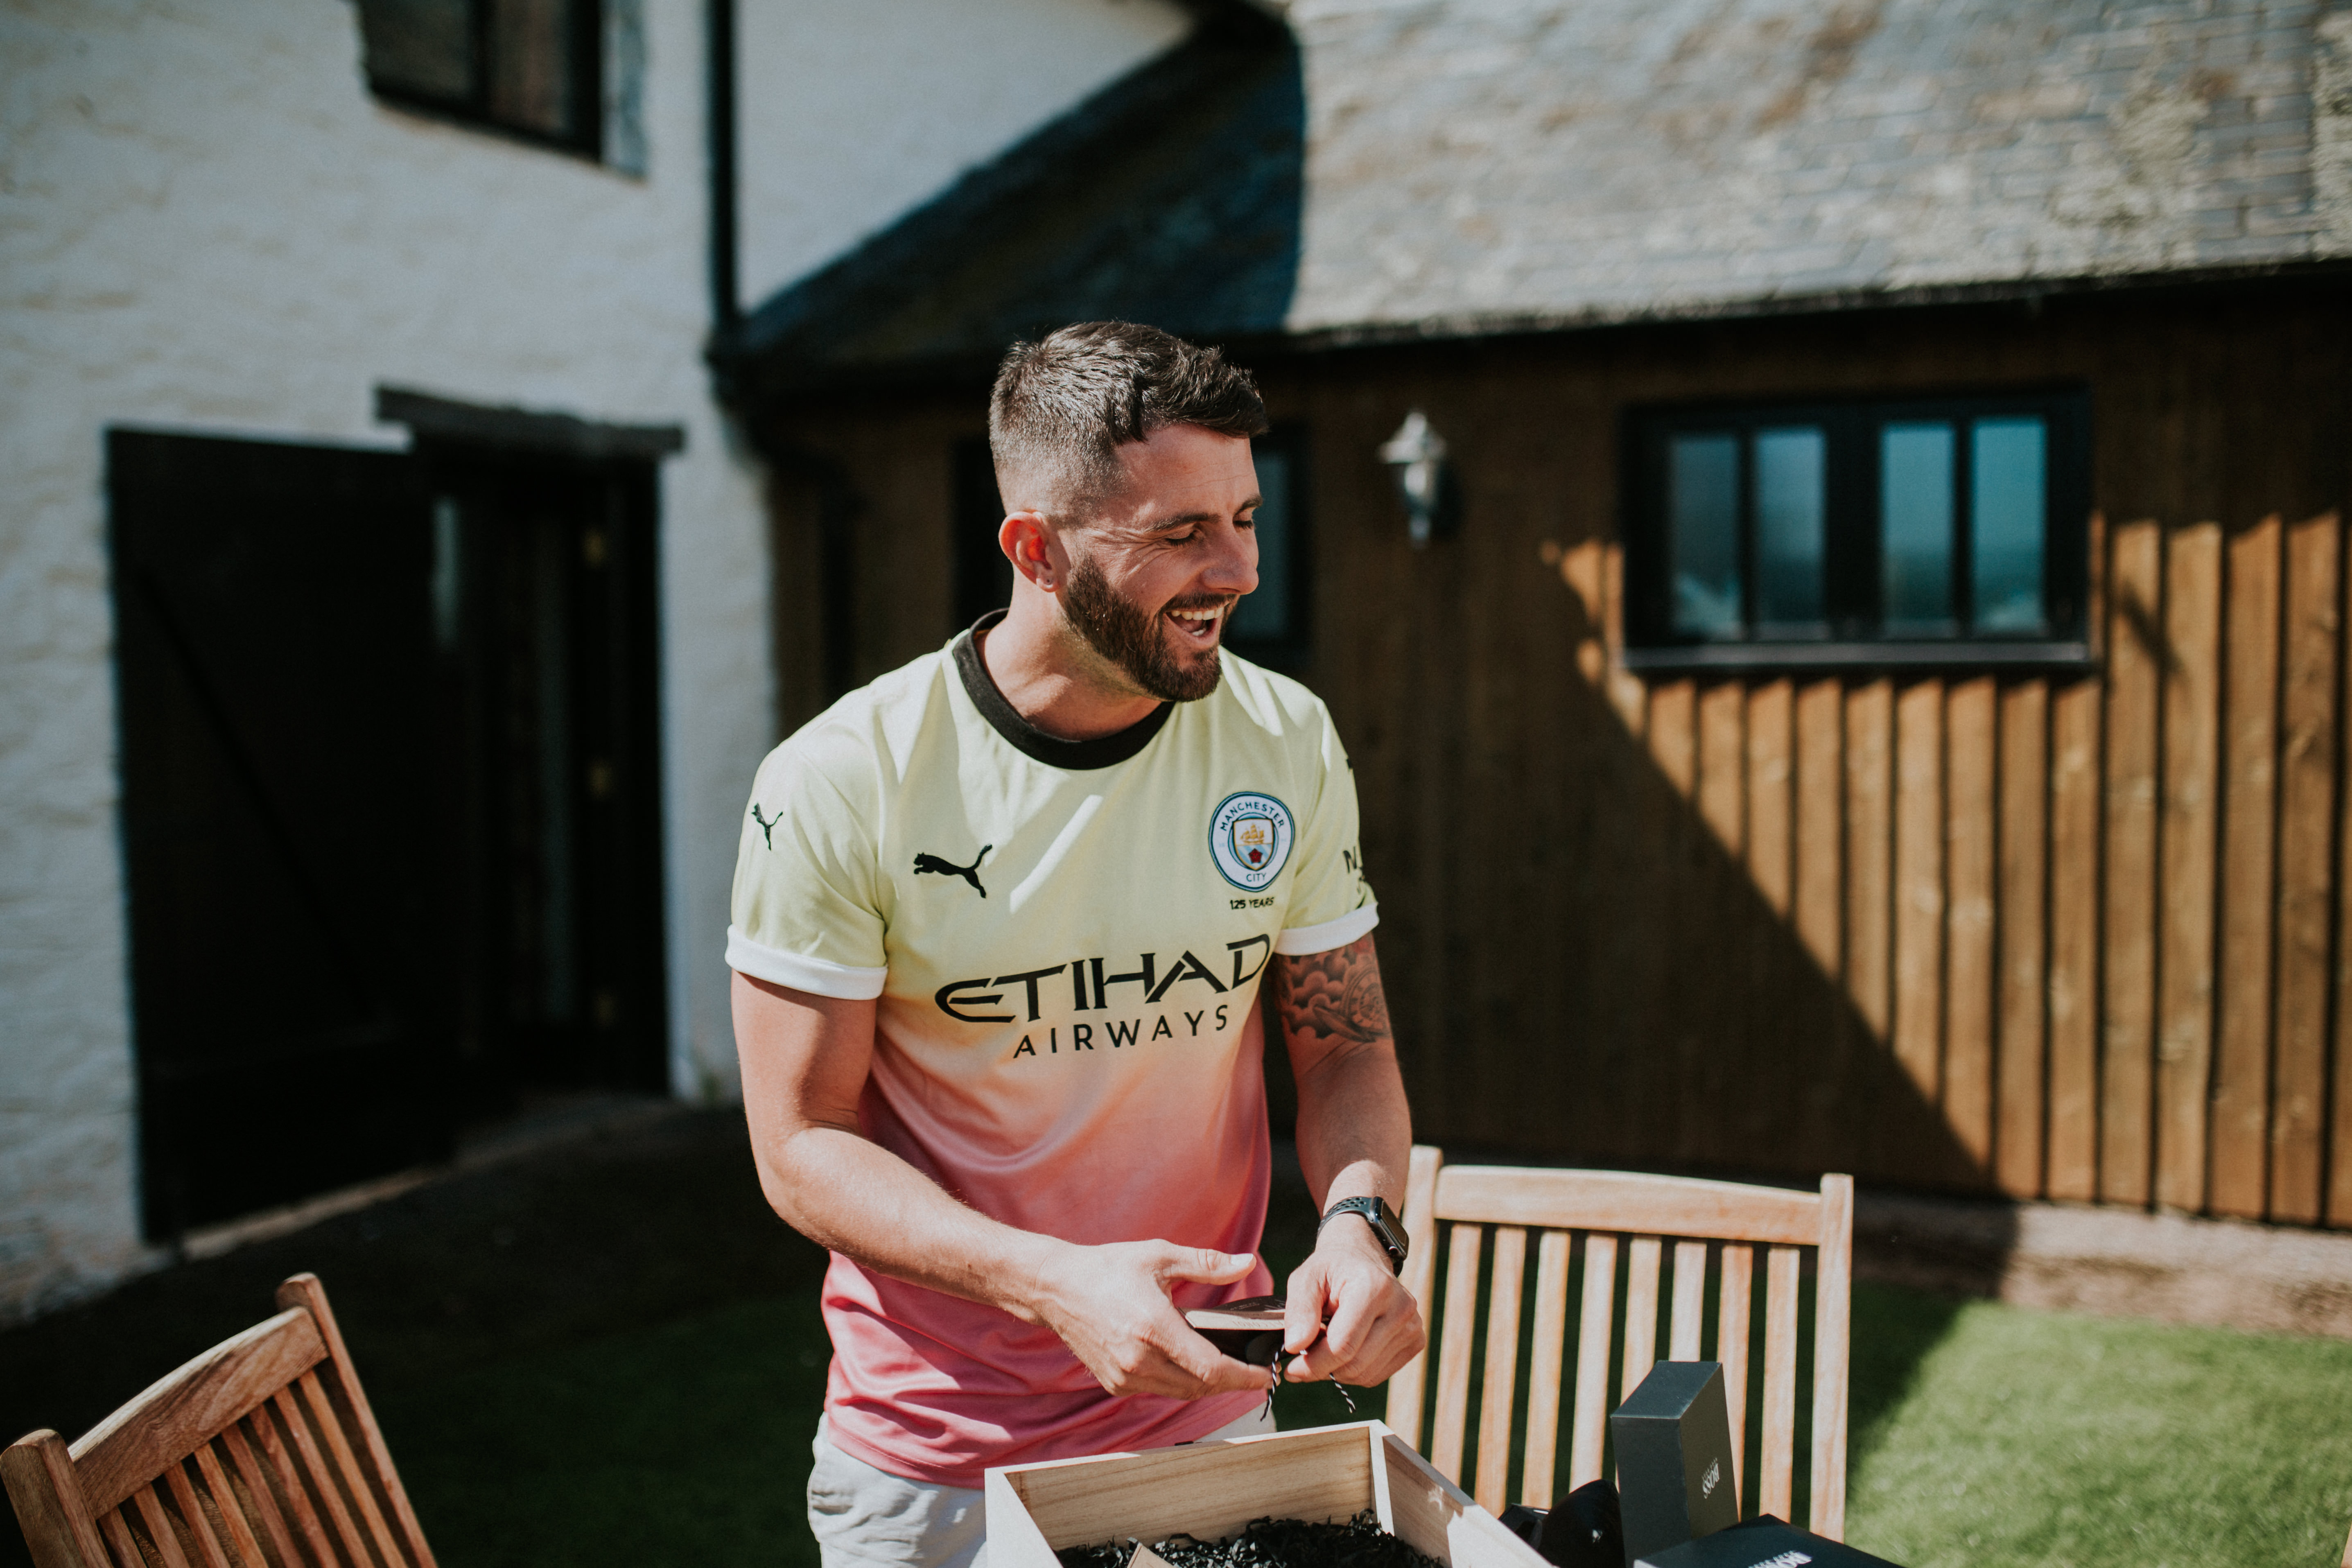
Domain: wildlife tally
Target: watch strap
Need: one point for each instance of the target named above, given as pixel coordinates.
(1387, 1229)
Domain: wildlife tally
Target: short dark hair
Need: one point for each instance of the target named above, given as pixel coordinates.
(1063, 405)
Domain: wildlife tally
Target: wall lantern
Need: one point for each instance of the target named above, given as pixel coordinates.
(1416, 455)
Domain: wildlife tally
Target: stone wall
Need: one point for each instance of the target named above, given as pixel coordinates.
(208, 223)
(212, 226)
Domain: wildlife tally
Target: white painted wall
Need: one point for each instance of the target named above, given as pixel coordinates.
(853, 111)
(208, 223)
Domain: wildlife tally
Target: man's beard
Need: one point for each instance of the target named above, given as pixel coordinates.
(1135, 641)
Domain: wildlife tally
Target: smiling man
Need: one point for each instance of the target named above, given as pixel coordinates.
(1001, 919)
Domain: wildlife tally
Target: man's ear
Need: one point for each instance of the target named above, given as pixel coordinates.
(1028, 545)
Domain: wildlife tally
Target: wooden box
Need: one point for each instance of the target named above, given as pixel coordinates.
(1213, 1489)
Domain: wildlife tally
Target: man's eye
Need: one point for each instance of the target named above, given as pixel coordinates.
(1185, 538)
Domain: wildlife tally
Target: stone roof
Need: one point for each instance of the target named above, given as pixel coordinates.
(1567, 159)
(1478, 165)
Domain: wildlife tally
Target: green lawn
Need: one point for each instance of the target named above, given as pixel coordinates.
(2021, 1436)
(1987, 1435)
(687, 1444)
(610, 1354)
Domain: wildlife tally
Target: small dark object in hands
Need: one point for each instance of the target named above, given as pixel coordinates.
(1268, 1543)
(1579, 1530)
(1248, 1330)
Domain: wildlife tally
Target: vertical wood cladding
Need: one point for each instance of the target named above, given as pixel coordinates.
(2084, 937)
(2052, 989)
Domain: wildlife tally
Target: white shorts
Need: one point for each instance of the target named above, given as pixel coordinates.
(865, 1518)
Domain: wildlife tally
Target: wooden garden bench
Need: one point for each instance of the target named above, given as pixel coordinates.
(1716, 1227)
(259, 1453)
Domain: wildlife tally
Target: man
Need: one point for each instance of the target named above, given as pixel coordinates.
(1000, 921)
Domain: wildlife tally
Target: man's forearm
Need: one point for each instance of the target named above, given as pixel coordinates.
(856, 1198)
(1355, 1135)
(1355, 1131)
(1349, 1317)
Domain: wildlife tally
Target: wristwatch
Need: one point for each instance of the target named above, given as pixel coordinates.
(1387, 1228)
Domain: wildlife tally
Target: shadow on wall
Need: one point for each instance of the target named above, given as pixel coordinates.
(1643, 980)
(2056, 938)
(1704, 1007)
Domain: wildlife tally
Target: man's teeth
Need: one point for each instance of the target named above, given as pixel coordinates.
(1198, 620)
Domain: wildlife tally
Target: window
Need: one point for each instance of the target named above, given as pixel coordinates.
(983, 577)
(1948, 531)
(532, 68)
(1270, 626)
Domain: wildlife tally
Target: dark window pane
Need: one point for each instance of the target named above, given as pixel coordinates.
(984, 576)
(532, 68)
(424, 47)
(1915, 513)
(1702, 515)
(1789, 489)
(1264, 615)
(2006, 459)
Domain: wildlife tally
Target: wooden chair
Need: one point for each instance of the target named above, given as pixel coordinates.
(260, 1452)
(1613, 1212)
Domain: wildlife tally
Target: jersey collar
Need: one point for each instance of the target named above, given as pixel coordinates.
(1102, 751)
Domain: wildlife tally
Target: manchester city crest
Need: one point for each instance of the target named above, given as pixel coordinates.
(1249, 838)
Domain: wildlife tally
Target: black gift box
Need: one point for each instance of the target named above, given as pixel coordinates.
(1762, 1542)
(1674, 1458)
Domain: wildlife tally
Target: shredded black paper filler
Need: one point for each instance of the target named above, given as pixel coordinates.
(1360, 1543)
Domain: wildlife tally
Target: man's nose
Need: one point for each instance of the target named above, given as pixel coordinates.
(1233, 569)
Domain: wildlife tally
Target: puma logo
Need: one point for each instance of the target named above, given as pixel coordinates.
(932, 866)
(767, 825)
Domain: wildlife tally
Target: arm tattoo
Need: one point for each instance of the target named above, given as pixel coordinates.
(1336, 994)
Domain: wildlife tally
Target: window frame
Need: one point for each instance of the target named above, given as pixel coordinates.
(1853, 528)
(590, 75)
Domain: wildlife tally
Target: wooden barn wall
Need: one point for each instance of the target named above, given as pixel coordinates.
(2084, 939)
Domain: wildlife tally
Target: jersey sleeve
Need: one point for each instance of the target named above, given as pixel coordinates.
(1331, 904)
(806, 910)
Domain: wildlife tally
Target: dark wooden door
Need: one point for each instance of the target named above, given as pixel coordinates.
(549, 630)
(282, 828)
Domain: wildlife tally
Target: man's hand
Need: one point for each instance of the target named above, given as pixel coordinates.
(1111, 1306)
(1350, 1315)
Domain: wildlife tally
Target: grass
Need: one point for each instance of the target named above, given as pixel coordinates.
(612, 1355)
(510, 1324)
(1986, 1436)
(2013, 1437)
(686, 1443)
(2021, 1436)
